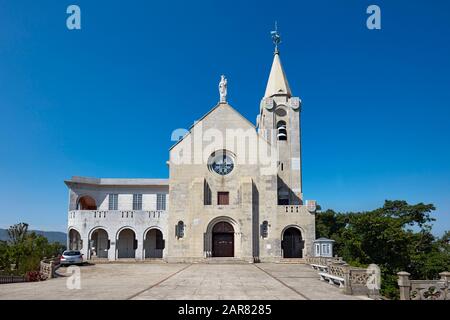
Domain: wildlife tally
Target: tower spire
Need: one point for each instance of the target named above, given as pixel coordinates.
(277, 83)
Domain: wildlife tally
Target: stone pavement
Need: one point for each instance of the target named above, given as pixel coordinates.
(183, 281)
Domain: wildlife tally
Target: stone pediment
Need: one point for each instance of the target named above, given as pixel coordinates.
(222, 117)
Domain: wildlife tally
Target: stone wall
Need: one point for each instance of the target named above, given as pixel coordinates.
(48, 267)
(355, 281)
(424, 289)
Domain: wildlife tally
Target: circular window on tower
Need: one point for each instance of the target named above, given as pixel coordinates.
(221, 162)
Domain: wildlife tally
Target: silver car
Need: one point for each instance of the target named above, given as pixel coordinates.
(71, 257)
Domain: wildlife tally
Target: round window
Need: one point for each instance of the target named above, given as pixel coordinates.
(221, 163)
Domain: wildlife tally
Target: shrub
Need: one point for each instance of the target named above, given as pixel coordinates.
(33, 276)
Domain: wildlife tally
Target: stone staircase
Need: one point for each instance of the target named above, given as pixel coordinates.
(224, 260)
(293, 260)
(126, 261)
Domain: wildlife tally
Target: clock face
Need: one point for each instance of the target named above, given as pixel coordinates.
(222, 164)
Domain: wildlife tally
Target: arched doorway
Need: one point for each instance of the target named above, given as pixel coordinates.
(75, 242)
(86, 203)
(154, 244)
(99, 244)
(292, 243)
(223, 240)
(126, 244)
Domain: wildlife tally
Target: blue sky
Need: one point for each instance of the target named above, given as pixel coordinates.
(376, 111)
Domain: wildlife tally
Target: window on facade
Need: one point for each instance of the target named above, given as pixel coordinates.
(283, 196)
(137, 201)
(160, 201)
(207, 194)
(281, 130)
(223, 198)
(179, 232)
(265, 229)
(113, 201)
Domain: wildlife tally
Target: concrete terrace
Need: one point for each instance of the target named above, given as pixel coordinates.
(161, 281)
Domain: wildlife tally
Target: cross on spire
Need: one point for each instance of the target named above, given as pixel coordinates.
(276, 37)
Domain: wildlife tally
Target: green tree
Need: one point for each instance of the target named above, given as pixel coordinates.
(17, 232)
(4, 261)
(25, 250)
(396, 237)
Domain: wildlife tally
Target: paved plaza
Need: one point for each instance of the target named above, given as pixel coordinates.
(184, 281)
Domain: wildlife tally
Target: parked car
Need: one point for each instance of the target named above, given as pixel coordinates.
(71, 257)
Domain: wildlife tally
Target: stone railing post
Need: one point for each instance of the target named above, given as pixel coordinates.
(445, 277)
(347, 284)
(52, 268)
(404, 284)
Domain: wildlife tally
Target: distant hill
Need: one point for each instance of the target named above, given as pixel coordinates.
(52, 236)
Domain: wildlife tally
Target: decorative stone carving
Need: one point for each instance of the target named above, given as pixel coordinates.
(423, 289)
(268, 103)
(295, 103)
(311, 205)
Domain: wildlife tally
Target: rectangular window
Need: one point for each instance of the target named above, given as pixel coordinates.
(113, 201)
(160, 201)
(137, 201)
(223, 198)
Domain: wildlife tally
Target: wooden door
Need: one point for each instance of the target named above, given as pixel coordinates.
(223, 245)
(292, 243)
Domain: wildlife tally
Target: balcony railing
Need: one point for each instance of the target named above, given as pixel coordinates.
(289, 208)
(126, 214)
(310, 206)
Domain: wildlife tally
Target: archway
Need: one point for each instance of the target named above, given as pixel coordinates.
(99, 244)
(75, 242)
(86, 203)
(223, 240)
(292, 243)
(126, 244)
(154, 244)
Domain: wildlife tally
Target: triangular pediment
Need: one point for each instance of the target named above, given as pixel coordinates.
(221, 117)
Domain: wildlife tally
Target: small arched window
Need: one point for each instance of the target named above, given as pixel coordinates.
(281, 131)
(179, 231)
(264, 229)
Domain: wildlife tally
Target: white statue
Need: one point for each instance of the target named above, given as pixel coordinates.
(223, 89)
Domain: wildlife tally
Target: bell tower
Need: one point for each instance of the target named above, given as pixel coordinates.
(279, 123)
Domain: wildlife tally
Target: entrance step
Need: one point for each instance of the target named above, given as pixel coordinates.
(126, 261)
(224, 260)
(293, 260)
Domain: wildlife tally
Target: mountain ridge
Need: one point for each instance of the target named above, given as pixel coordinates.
(52, 236)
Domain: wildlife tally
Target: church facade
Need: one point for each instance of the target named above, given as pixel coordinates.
(234, 191)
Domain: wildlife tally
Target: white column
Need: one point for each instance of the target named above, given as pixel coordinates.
(140, 250)
(85, 246)
(112, 250)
